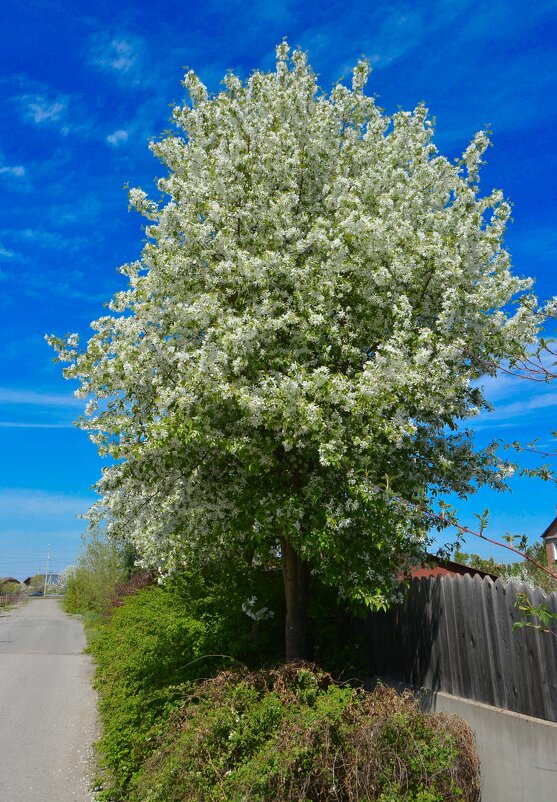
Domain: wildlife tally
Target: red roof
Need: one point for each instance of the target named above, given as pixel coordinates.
(438, 567)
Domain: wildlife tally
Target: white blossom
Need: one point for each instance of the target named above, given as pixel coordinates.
(315, 300)
(256, 614)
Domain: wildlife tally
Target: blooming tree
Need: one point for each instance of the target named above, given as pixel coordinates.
(297, 347)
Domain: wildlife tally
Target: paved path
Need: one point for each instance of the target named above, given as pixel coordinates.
(47, 705)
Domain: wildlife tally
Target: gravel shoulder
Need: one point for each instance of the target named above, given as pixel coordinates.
(47, 705)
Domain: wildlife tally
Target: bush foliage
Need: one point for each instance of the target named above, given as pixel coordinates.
(179, 724)
(90, 585)
(153, 643)
(293, 734)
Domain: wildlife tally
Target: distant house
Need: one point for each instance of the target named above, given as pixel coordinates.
(550, 540)
(8, 580)
(438, 567)
(52, 579)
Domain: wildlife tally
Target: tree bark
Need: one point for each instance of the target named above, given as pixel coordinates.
(295, 577)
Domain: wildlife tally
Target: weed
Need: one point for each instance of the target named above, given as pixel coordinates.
(293, 735)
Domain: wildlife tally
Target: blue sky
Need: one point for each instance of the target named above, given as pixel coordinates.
(84, 87)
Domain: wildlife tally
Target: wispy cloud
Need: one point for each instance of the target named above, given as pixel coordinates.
(40, 109)
(5, 253)
(16, 171)
(519, 408)
(67, 213)
(10, 395)
(11, 171)
(42, 238)
(119, 137)
(22, 409)
(23, 503)
(500, 387)
(24, 425)
(120, 54)
(517, 403)
(258, 9)
(34, 236)
(386, 33)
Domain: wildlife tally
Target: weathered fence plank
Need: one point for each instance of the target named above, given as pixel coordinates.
(454, 633)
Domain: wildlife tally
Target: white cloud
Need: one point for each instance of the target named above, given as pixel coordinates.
(519, 408)
(120, 54)
(43, 238)
(6, 424)
(35, 236)
(118, 137)
(24, 503)
(395, 33)
(500, 386)
(18, 170)
(5, 253)
(123, 56)
(517, 402)
(22, 409)
(14, 396)
(39, 109)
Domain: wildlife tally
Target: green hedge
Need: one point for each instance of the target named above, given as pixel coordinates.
(174, 729)
(158, 641)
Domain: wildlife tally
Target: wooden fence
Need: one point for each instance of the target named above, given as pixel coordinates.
(10, 598)
(454, 634)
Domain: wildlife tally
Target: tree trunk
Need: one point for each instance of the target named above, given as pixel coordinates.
(294, 574)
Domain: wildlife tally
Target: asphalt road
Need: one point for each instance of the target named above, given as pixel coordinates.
(47, 705)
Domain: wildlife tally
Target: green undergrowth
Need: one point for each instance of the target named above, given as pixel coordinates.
(92, 623)
(189, 711)
(150, 646)
(294, 735)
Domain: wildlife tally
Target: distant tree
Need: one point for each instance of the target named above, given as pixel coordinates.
(90, 584)
(524, 570)
(65, 577)
(488, 564)
(528, 572)
(287, 370)
(10, 588)
(36, 583)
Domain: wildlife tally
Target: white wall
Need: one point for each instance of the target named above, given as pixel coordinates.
(518, 753)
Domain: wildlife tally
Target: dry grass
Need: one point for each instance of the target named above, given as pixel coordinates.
(320, 741)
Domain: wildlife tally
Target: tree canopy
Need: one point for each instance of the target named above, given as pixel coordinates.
(299, 344)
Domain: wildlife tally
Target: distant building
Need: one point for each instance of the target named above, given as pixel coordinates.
(52, 579)
(438, 567)
(550, 540)
(6, 580)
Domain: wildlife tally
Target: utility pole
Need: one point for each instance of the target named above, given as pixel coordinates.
(46, 572)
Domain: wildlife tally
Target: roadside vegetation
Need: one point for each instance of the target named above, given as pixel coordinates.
(10, 593)
(193, 707)
(89, 585)
(293, 734)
